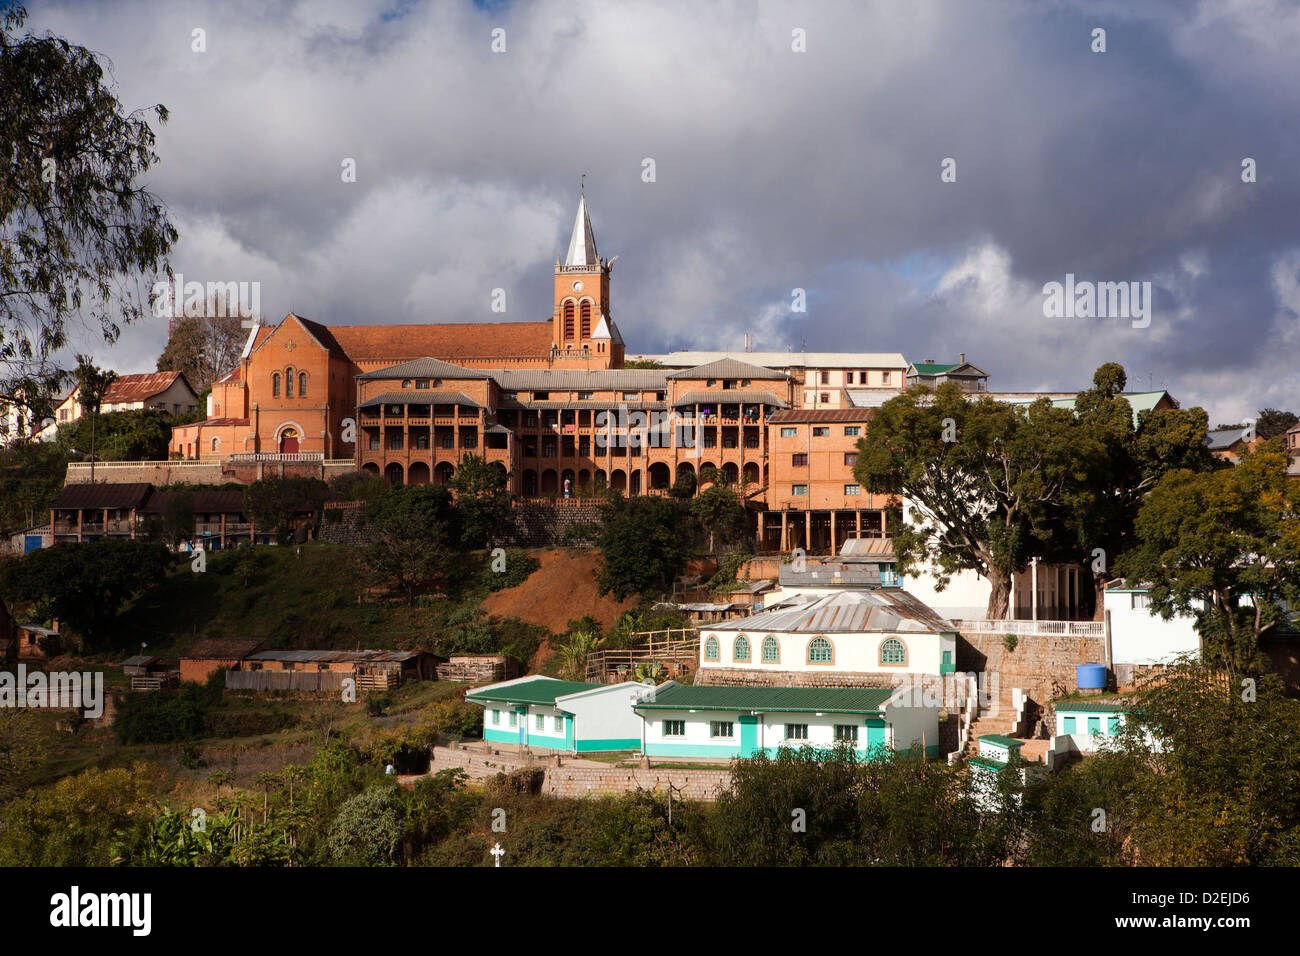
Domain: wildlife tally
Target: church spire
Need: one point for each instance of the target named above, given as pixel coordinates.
(582, 247)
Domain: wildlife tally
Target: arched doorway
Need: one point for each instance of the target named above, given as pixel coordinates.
(370, 468)
(444, 471)
(418, 473)
(393, 473)
(584, 482)
(751, 474)
(660, 476)
(289, 440)
(634, 482)
(730, 473)
(618, 480)
(530, 482)
(568, 475)
(549, 482)
(599, 480)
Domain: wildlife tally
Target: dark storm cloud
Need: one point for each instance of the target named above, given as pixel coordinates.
(775, 170)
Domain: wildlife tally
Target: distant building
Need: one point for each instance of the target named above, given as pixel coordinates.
(932, 374)
(542, 712)
(1229, 444)
(215, 655)
(168, 392)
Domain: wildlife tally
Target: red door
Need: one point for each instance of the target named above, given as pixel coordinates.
(289, 441)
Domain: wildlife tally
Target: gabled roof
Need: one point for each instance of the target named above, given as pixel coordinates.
(102, 495)
(845, 611)
(956, 368)
(420, 397)
(559, 379)
(733, 396)
(1221, 439)
(447, 341)
(424, 368)
(730, 368)
(323, 335)
(607, 330)
(142, 387)
(929, 368)
(539, 690)
(790, 700)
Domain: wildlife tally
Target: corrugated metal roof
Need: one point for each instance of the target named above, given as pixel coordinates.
(140, 660)
(221, 649)
(102, 495)
(730, 368)
(729, 397)
(794, 415)
(871, 397)
(824, 700)
(867, 548)
(421, 397)
(200, 502)
(307, 657)
(1091, 707)
(539, 690)
(425, 368)
(610, 379)
(781, 360)
(846, 611)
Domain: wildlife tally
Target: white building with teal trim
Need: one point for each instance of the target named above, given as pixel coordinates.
(877, 631)
(542, 712)
(996, 754)
(1086, 727)
(722, 723)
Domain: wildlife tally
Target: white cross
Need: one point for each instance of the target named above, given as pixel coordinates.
(497, 852)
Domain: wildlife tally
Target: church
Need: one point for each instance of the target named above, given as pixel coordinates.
(409, 401)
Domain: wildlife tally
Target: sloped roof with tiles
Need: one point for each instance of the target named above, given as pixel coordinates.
(730, 368)
(425, 368)
(793, 415)
(421, 397)
(595, 380)
(789, 700)
(449, 341)
(729, 397)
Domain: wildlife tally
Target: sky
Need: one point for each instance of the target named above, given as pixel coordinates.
(735, 152)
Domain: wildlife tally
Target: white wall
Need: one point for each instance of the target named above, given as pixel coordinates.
(605, 713)
(911, 722)
(1140, 637)
(856, 652)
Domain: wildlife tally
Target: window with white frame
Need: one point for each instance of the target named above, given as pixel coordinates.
(796, 731)
(1140, 600)
(799, 490)
(846, 733)
(674, 728)
(852, 489)
(496, 716)
(514, 719)
(721, 728)
(789, 432)
(539, 722)
(559, 724)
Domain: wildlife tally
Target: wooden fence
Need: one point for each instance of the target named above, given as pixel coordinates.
(317, 682)
(672, 648)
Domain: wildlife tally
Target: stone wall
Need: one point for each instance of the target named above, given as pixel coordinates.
(538, 525)
(1036, 662)
(566, 780)
(348, 528)
(156, 473)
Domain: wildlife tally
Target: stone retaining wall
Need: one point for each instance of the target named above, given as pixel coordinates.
(1036, 662)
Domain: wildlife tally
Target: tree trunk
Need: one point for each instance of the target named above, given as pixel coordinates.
(999, 595)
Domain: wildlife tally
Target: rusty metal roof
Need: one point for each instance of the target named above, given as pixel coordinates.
(847, 611)
(102, 495)
(361, 657)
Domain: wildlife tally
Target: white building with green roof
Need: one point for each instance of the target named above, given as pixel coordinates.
(572, 716)
(722, 723)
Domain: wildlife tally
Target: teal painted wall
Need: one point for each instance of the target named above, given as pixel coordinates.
(611, 743)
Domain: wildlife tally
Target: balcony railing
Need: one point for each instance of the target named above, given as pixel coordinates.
(249, 457)
(1068, 628)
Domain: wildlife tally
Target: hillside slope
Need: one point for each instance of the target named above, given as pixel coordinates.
(561, 589)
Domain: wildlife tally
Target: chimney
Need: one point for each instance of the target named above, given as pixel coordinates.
(962, 360)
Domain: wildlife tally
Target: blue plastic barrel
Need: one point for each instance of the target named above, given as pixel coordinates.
(1091, 676)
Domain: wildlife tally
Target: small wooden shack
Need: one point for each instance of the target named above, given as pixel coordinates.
(477, 669)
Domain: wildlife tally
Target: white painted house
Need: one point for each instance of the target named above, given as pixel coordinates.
(543, 712)
(876, 631)
(1140, 637)
(722, 723)
(163, 391)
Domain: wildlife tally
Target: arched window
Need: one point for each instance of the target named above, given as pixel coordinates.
(820, 651)
(711, 649)
(893, 652)
(740, 649)
(302, 384)
(288, 382)
(215, 443)
(275, 385)
(586, 318)
(568, 319)
(771, 649)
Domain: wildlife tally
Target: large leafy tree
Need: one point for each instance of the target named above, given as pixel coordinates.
(204, 348)
(720, 511)
(1273, 422)
(412, 547)
(643, 545)
(482, 500)
(88, 585)
(984, 481)
(1222, 546)
(77, 231)
(1117, 462)
(278, 502)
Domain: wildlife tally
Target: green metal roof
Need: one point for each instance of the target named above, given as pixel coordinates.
(1114, 707)
(539, 690)
(929, 368)
(987, 763)
(999, 741)
(793, 700)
